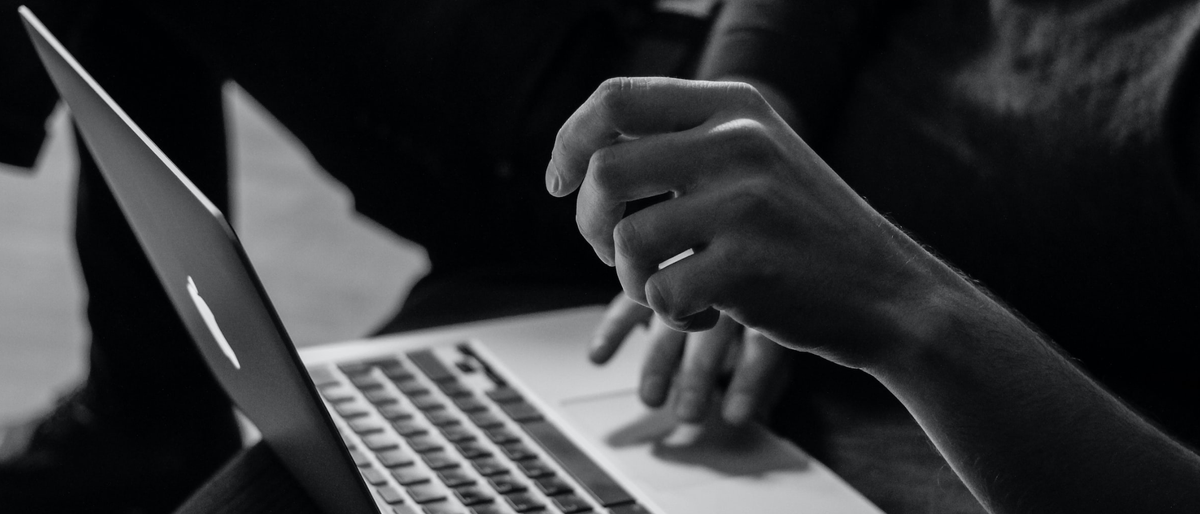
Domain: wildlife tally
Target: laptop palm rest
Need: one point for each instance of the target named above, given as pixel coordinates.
(681, 468)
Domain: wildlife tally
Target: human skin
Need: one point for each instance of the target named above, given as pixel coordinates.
(782, 245)
(683, 370)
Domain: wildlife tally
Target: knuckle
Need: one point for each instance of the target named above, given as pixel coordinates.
(613, 94)
(755, 199)
(588, 227)
(629, 236)
(662, 300)
(747, 95)
(747, 140)
(592, 232)
(602, 167)
(742, 262)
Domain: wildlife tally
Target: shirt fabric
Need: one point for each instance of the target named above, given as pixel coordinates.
(1042, 147)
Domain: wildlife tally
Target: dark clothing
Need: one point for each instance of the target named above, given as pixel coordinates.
(811, 50)
(1042, 147)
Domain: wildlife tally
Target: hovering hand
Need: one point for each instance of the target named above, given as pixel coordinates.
(780, 242)
(691, 367)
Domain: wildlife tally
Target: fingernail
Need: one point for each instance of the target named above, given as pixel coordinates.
(654, 391)
(738, 408)
(690, 406)
(552, 182)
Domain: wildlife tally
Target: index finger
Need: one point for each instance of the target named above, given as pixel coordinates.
(621, 317)
(633, 107)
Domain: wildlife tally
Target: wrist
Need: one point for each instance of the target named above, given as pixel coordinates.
(929, 318)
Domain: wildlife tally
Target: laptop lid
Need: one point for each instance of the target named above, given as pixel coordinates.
(210, 281)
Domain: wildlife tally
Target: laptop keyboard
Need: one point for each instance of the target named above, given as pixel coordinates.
(428, 442)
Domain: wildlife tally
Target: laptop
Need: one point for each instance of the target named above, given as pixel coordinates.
(492, 417)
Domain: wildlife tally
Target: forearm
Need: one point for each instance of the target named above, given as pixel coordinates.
(1024, 428)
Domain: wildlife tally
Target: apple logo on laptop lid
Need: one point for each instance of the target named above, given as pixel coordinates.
(211, 321)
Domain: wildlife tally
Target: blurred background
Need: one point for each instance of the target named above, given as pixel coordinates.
(332, 275)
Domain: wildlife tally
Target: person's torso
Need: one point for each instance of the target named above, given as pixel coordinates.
(1035, 145)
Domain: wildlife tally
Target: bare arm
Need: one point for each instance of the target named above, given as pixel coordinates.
(1024, 427)
(783, 245)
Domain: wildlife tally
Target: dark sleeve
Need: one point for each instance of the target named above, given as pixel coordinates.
(26, 95)
(809, 49)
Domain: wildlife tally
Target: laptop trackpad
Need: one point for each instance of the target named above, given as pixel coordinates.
(654, 448)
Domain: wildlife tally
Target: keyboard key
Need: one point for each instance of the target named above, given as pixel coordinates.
(469, 404)
(373, 475)
(323, 376)
(427, 403)
(404, 509)
(518, 451)
(394, 412)
(409, 475)
(381, 397)
(534, 468)
(366, 382)
(337, 394)
(429, 363)
(426, 493)
(489, 508)
(507, 483)
(391, 367)
(455, 477)
(381, 442)
(504, 395)
(395, 458)
(521, 412)
(473, 450)
(500, 435)
(489, 466)
(363, 426)
(453, 388)
(485, 419)
(570, 504)
(412, 388)
(424, 443)
(440, 460)
(442, 418)
(360, 458)
(595, 480)
(523, 502)
(408, 428)
(397, 373)
(389, 494)
(355, 368)
(443, 507)
(456, 433)
(472, 495)
(551, 486)
(348, 410)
